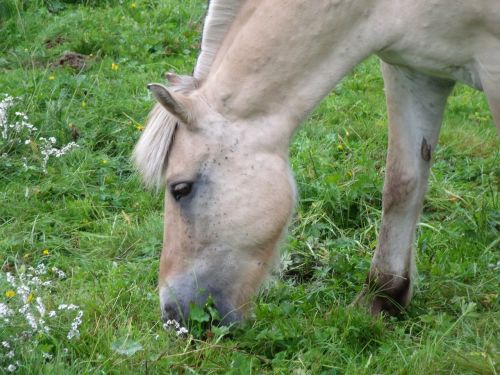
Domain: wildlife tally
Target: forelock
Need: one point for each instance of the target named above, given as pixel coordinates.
(150, 154)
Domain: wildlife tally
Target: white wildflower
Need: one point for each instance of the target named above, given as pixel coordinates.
(10, 279)
(39, 306)
(5, 104)
(31, 321)
(11, 368)
(47, 356)
(74, 332)
(41, 269)
(24, 292)
(179, 330)
(13, 132)
(171, 323)
(23, 310)
(182, 331)
(60, 274)
(22, 114)
(28, 311)
(5, 312)
(47, 150)
(64, 306)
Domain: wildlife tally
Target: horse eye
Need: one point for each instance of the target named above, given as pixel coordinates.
(181, 189)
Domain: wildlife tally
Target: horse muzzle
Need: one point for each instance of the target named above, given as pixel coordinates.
(177, 299)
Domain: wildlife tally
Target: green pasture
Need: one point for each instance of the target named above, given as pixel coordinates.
(78, 69)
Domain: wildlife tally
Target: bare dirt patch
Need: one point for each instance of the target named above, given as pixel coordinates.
(54, 42)
(71, 59)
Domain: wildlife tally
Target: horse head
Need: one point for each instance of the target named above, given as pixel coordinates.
(229, 196)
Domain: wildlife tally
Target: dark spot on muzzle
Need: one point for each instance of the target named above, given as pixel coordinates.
(172, 312)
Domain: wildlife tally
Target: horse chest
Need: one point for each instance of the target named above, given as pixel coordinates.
(437, 66)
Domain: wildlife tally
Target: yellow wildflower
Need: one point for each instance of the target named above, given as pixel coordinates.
(139, 127)
(114, 66)
(340, 147)
(45, 252)
(104, 161)
(30, 298)
(84, 104)
(133, 6)
(51, 78)
(10, 294)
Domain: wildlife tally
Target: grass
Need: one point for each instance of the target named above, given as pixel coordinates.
(89, 216)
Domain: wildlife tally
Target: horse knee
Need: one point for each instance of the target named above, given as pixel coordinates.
(400, 188)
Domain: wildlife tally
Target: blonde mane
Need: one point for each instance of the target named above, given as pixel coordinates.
(150, 154)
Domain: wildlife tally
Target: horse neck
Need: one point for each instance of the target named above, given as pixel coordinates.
(283, 59)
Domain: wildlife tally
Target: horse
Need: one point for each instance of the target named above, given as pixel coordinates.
(218, 140)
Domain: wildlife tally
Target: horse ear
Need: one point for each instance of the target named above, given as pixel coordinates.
(183, 82)
(174, 102)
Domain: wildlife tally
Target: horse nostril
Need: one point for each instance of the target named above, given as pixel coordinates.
(171, 312)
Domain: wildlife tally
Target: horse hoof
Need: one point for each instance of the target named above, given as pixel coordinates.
(384, 294)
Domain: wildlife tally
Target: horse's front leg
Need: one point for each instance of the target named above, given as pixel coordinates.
(415, 105)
